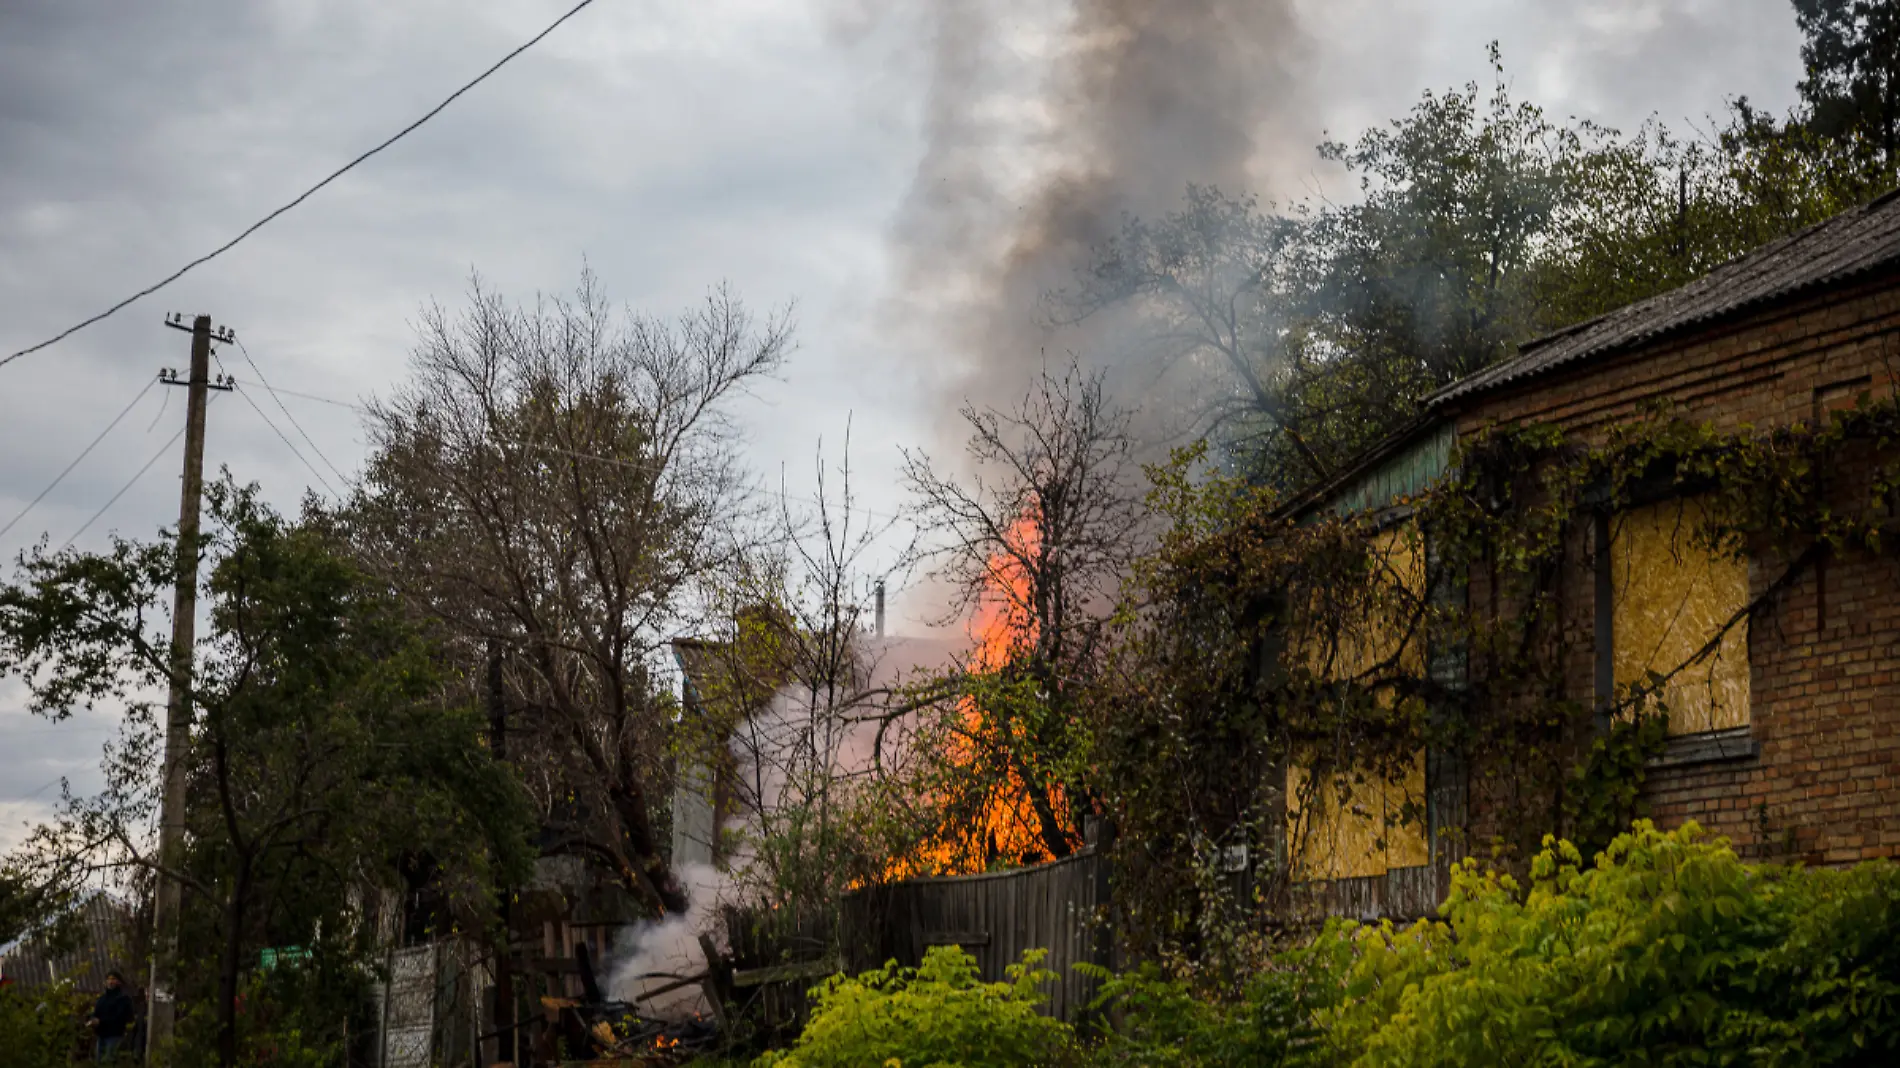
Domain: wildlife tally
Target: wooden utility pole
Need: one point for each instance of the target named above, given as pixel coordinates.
(507, 1043)
(161, 1008)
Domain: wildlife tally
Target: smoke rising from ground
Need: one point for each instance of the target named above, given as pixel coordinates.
(1046, 123)
(653, 956)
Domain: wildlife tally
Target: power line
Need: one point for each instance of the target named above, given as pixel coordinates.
(122, 489)
(305, 195)
(289, 444)
(87, 451)
(293, 419)
(305, 396)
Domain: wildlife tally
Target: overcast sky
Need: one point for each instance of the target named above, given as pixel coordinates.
(669, 144)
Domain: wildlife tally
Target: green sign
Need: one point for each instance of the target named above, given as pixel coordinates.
(271, 958)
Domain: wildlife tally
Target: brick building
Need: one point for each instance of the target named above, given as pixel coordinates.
(1787, 740)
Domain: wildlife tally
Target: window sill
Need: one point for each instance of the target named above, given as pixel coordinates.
(1708, 747)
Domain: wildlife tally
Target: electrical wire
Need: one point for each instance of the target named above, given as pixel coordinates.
(305, 195)
(87, 451)
(307, 396)
(340, 476)
(281, 436)
(163, 449)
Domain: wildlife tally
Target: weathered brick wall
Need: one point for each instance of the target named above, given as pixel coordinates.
(1823, 785)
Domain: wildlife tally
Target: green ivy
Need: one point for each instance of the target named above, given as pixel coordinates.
(1605, 792)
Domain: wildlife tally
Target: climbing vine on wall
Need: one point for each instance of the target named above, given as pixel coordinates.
(1255, 639)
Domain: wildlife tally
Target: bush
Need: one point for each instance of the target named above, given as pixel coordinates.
(40, 1028)
(1669, 951)
(936, 1016)
(1162, 1020)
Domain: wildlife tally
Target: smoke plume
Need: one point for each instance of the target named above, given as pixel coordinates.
(1048, 121)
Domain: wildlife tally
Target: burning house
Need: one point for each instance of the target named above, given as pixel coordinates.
(1777, 659)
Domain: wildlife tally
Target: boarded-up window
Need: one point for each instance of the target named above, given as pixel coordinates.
(1669, 598)
(1353, 822)
(1349, 824)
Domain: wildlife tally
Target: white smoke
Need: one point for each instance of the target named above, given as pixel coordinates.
(651, 957)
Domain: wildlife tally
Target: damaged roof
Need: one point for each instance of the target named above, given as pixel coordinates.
(1843, 248)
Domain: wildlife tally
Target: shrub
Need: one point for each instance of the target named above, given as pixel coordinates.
(936, 1016)
(40, 1028)
(1669, 951)
(1162, 1020)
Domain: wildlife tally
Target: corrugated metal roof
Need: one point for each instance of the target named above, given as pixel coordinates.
(103, 943)
(1851, 244)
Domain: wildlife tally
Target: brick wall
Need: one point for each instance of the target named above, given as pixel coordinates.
(1818, 779)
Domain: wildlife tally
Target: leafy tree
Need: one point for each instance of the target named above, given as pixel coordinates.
(1852, 91)
(1326, 326)
(321, 758)
(1480, 223)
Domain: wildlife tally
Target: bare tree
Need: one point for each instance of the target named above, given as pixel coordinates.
(1034, 534)
(556, 481)
(807, 704)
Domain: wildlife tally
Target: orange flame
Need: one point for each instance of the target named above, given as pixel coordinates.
(1001, 625)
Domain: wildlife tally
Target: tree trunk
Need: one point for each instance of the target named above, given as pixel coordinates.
(653, 877)
(229, 967)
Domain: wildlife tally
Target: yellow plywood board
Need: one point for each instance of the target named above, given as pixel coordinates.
(1669, 598)
(1340, 826)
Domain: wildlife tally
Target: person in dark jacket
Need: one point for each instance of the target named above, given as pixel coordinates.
(111, 1018)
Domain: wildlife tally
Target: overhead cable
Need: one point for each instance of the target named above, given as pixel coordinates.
(83, 453)
(301, 197)
(265, 382)
(163, 449)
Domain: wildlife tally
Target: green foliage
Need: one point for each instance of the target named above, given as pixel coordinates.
(40, 1028)
(1161, 1020)
(936, 1016)
(1670, 951)
(322, 760)
(1605, 792)
(1852, 54)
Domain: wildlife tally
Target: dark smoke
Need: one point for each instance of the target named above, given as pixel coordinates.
(1046, 124)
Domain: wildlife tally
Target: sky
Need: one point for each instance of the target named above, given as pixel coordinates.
(667, 145)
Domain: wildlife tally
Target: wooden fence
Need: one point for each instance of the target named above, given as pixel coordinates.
(1061, 907)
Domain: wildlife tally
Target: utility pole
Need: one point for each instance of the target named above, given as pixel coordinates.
(507, 1041)
(161, 1009)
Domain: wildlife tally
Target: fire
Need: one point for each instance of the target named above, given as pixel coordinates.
(1001, 626)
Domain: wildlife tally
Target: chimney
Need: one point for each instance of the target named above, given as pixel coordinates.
(880, 608)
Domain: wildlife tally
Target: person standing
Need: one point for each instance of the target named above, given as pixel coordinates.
(111, 1018)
